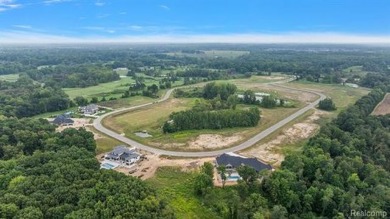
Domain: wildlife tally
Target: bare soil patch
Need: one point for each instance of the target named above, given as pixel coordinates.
(78, 123)
(211, 141)
(383, 108)
(267, 152)
(146, 168)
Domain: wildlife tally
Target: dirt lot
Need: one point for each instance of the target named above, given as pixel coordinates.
(211, 141)
(383, 108)
(145, 169)
(78, 123)
(299, 131)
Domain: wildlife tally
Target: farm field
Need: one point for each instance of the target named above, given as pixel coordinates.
(383, 108)
(212, 54)
(10, 77)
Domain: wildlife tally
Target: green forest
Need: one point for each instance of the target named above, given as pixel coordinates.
(44, 174)
(343, 168)
(49, 174)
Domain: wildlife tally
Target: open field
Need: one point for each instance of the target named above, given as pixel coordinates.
(111, 89)
(176, 188)
(342, 96)
(212, 54)
(129, 101)
(152, 118)
(225, 53)
(355, 70)
(383, 108)
(10, 77)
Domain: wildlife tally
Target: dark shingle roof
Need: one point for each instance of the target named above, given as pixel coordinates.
(236, 161)
(62, 119)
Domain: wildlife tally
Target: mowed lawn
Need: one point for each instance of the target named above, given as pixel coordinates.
(175, 187)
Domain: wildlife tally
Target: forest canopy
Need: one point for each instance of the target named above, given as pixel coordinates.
(44, 174)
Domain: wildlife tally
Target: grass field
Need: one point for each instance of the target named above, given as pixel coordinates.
(104, 143)
(176, 188)
(212, 54)
(383, 108)
(342, 96)
(355, 70)
(152, 118)
(111, 89)
(10, 77)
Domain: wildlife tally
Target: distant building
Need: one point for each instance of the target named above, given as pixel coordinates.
(63, 120)
(232, 162)
(89, 110)
(123, 155)
(121, 69)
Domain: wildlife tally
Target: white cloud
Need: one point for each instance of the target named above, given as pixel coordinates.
(33, 37)
(99, 3)
(23, 26)
(99, 29)
(165, 7)
(8, 5)
(49, 2)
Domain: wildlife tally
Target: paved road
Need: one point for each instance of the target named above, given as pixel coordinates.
(98, 125)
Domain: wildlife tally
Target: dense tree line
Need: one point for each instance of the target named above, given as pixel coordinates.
(224, 90)
(192, 119)
(25, 98)
(44, 174)
(74, 76)
(313, 64)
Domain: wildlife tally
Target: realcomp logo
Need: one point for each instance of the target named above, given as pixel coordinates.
(370, 214)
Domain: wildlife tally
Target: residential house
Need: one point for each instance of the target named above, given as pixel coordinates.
(89, 109)
(233, 161)
(123, 155)
(63, 120)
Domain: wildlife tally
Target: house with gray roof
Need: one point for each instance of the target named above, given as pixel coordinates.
(89, 109)
(63, 120)
(232, 162)
(123, 155)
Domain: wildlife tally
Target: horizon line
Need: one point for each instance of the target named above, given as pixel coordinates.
(26, 37)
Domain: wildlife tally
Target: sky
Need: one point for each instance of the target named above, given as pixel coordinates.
(187, 21)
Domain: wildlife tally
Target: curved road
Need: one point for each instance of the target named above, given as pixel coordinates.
(248, 143)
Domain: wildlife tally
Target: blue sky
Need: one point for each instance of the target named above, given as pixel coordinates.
(195, 20)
